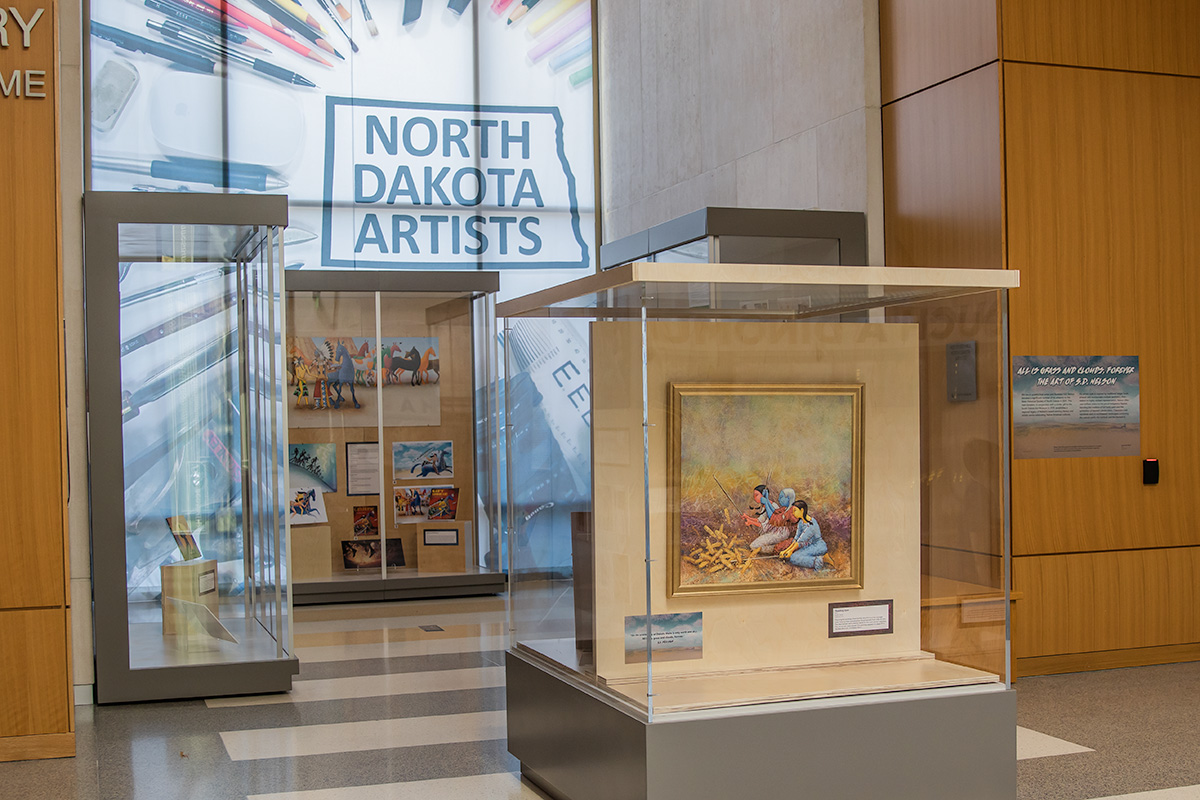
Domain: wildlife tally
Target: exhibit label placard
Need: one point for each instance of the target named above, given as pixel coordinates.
(440, 537)
(1075, 406)
(672, 637)
(861, 618)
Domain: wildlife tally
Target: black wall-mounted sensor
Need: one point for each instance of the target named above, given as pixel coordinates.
(1150, 471)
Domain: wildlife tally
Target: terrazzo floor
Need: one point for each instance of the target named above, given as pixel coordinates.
(385, 710)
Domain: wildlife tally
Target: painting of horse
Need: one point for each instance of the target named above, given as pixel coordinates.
(342, 375)
(325, 373)
(308, 507)
(302, 505)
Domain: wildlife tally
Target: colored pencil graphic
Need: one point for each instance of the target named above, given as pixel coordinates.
(220, 52)
(265, 29)
(301, 14)
(329, 11)
(458, 6)
(582, 76)
(547, 19)
(276, 11)
(201, 23)
(572, 25)
(521, 10)
(499, 5)
(201, 8)
(412, 11)
(571, 54)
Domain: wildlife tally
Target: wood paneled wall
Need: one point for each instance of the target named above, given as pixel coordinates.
(1109, 609)
(1138, 35)
(36, 705)
(1104, 224)
(1091, 159)
(925, 42)
(941, 177)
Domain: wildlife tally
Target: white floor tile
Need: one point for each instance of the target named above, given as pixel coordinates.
(447, 680)
(420, 647)
(505, 786)
(348, 737)
(1031, 744)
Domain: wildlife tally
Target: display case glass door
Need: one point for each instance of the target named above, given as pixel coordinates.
(186, 449)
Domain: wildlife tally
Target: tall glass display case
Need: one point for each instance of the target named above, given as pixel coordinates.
(388, 497)
(186, 430)
(788, 530)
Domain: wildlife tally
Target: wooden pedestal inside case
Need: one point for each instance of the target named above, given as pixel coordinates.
(194, 581)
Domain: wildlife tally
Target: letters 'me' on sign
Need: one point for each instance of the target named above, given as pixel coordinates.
(17, 29)
(443, 185)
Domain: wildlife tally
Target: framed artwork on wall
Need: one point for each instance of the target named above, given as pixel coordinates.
(764, 487)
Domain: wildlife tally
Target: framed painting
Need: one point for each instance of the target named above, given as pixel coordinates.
(764, 487)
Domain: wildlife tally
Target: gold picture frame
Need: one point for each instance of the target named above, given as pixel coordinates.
(751, 470)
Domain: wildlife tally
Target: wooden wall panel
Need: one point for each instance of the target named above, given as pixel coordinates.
(923, 42)
(1090, 602)
(942, 175)
(36, 705)
(31, 494)
(1143, 35)
(1083, 179)
(1104, 224)
(33, 673)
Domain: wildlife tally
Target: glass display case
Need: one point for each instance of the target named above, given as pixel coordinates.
(717, 235)
(386, 500)
(788, 522)
(186, 434)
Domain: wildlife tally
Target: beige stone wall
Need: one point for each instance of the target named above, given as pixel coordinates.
(750, 103)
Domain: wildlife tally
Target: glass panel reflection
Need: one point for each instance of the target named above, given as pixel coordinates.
(200, 411)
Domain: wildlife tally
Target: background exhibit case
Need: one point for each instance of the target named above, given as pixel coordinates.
(185, 444)
(382, 381)
(797, 474)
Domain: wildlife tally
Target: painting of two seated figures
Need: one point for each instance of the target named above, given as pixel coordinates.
(765, 483)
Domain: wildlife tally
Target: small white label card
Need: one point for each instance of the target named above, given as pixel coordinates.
(441, 537)
(860, 618)
(208, 582)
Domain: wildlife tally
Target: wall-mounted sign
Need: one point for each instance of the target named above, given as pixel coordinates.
(20, 32)
(1075, 406)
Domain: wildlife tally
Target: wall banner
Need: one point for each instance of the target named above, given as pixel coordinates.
(431, 184)
(1075, 406)
(422, 134)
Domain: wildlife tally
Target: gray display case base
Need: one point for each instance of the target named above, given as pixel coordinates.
(400, 585)
(203, 680)
(933, 744)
